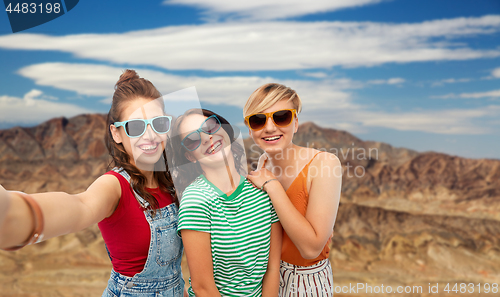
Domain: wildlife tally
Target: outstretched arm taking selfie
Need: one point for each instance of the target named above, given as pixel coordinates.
(63, 213)
(5, 202)
(270, 286)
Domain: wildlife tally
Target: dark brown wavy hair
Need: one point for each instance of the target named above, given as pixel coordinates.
(187, 171)
(128, 88)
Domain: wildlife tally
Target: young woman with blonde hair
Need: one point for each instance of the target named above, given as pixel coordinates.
(304, 186)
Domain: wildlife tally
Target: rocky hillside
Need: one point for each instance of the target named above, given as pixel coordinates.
(406, 218)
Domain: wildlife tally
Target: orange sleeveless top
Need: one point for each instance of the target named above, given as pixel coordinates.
(298, 195)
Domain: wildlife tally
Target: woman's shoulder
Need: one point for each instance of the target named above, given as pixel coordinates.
(197, 190)
(323, 155)
(119, 174)
(317, 157)
(249, 187)
(196, 184)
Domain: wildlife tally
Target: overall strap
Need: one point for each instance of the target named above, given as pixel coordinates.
(124, 173)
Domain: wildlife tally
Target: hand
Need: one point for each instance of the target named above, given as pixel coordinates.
(259, 177)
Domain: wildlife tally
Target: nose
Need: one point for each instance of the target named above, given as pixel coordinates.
(270, 126)
(150, 133)
(205, 138)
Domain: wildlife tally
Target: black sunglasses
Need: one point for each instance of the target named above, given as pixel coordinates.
(193, 140)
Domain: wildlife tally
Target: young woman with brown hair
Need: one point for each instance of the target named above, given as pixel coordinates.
(230, 230)
(134, 204)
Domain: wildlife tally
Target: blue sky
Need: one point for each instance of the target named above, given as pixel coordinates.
(419, 74)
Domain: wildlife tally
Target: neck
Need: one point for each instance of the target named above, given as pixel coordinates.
(148, 172)
(150, 181)
(225, 177)
(283, 158)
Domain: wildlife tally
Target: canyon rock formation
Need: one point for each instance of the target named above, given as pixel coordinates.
(406, 218)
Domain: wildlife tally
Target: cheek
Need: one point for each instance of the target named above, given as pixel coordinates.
(290, 130)
(254, 134)
(128, 144)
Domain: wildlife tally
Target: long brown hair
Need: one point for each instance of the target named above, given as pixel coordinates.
(128, 88)
(188, 171)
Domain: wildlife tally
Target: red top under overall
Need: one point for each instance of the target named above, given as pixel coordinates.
(126, 232)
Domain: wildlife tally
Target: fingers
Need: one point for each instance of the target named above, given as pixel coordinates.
(251, 182)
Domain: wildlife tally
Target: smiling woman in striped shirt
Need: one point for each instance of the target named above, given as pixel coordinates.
(230, 231)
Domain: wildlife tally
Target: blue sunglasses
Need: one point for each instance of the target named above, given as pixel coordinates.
(137, 127)
(193, 140)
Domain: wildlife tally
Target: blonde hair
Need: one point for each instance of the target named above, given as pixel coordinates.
(268, 95)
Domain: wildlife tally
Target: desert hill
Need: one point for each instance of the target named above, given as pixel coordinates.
(406, 218)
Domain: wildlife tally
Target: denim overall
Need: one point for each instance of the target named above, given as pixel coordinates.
(162, 275)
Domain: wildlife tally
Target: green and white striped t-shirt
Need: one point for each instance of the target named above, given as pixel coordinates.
(240, 232)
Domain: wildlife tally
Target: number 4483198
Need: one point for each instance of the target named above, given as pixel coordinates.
(34, 8)
(472, 288)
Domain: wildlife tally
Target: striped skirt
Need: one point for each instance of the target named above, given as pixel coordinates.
(306, 281)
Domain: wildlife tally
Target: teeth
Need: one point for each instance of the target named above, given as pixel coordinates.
(214, 147)
(149, 147)
(272, 138)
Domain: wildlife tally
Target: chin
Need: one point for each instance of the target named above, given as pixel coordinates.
(276, 147)
(217, 159)
(273, 150)
(145, 162)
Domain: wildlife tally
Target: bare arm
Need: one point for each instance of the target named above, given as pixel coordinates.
(63, 213)
(5, 202)
(309, 233)
(270, 285)
(199, 258)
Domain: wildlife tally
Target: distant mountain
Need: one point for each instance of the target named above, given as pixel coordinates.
(60, 154)
(406, 218)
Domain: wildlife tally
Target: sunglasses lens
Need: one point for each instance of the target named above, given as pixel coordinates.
(257, 121)
(210, 126)
(161, 124)
(192, 141)
(282, 118)
(135, 128)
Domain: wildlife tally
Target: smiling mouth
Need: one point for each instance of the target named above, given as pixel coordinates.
(272, 138)
(148, 148)
(214, 148)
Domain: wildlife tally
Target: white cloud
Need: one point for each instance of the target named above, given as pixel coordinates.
(267, 10)
(98, 80)
(390, 81)
(454, 121)
(85, 79)
(451, 81)
(318, 74)
(447, 96)
(496, 72)
(273, 45)
(395, 81)
(449, 121)
(326, 102)
(490, 94)
(33, 109)
(477, 95)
